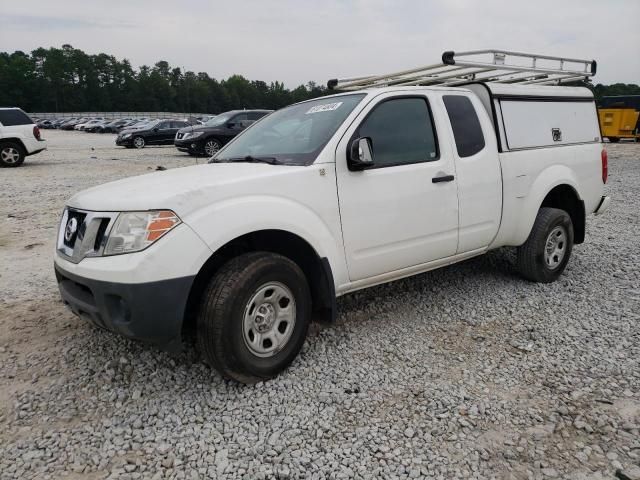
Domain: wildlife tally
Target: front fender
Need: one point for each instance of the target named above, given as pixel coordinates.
(228, 219)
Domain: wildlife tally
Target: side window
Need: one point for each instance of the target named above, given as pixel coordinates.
(163, 125)
(401, 132)
(466, 126)
(253, 116)
(239, 120)
(12, 117)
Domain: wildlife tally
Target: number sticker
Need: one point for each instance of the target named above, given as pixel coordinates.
(327, 107)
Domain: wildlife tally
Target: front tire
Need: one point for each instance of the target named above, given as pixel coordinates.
(254, 317)
(138, 142)
(545, 254)
(11, 154)
(212, 146)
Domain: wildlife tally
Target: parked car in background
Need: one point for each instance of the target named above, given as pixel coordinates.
(19, 137)
(159, 132)
(135, 123)
(93, 127)
(207, 139)
(46, 123)
(57, 122)
(112, 126)
(88, 124)
(70, 124)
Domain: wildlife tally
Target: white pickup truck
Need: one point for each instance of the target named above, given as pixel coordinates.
(330, 196)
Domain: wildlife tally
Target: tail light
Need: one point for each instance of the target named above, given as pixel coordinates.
(605, 166)
(36, 132)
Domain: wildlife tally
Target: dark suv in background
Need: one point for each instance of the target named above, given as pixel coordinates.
(158, 132)
(207, 139)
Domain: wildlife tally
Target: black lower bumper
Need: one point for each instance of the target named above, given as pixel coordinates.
(190, 147)
(36, 151)
(152, 312)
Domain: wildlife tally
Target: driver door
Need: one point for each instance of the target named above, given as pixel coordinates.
(402, 211)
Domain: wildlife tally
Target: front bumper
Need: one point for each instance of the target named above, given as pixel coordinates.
(188, 146)
(152, 312)
(123, 142)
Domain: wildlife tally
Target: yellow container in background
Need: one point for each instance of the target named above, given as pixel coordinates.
(617, 123)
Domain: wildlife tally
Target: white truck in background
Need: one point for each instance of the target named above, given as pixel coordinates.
(337, 194)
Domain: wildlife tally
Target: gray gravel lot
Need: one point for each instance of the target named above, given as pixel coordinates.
(465, 372)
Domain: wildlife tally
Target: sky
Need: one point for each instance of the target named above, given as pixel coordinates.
(295, 41)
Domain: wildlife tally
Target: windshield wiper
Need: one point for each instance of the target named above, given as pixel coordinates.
(249, 159)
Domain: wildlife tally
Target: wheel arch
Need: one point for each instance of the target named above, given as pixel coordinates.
(316, 269)
(565, 197)
(16, 140)
(556, 186)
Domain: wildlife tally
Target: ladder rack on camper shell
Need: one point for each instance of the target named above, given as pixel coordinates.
(498, 66)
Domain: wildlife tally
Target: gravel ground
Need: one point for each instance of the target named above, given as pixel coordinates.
(465, 372)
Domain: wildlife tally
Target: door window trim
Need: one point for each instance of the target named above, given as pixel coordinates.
(356, 133)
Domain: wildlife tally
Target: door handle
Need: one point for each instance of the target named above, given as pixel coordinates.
(444, 178)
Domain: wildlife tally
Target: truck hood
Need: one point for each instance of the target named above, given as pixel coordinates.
(182, 190)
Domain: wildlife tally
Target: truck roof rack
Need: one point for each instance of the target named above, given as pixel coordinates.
(498, 66)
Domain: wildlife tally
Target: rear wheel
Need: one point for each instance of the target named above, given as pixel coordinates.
(545, 254)
(254, 317)
(138, 142)
(11, 154)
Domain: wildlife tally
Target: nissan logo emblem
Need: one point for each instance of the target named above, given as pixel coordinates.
(70, 230)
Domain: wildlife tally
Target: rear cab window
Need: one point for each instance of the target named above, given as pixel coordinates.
(467, 130)
(11, 117)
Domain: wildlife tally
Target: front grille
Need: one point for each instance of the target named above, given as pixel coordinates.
(71, 234)
(84, 233)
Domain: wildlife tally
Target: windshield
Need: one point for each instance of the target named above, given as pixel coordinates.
(294, 135)
(219, 120)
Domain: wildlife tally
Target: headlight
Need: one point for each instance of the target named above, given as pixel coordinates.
(192, 135)
(135, 231)
(126, 135)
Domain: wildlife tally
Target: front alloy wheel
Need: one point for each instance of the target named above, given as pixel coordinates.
(211, 147)
(138, 142)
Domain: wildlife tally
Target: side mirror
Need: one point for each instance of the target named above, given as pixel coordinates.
(360, 154)
(155, 129)
(231, 125)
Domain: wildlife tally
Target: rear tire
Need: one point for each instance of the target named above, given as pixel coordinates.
(254, 317)
(545, 254)
(12, 154)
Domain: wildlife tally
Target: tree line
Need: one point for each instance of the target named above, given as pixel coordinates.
(69, 80)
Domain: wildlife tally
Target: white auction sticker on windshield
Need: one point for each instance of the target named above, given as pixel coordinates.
(327, 107)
